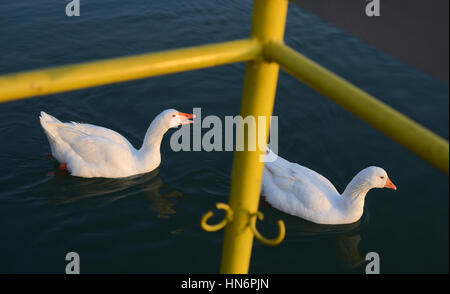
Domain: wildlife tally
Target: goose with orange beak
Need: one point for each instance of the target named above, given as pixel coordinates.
(300, 191)
(86, 150)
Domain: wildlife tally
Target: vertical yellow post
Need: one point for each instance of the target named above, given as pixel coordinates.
(268, 23)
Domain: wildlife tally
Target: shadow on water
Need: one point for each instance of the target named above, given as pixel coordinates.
(64, 189)
(343, 239)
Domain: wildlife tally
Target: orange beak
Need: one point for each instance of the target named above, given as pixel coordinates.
(390, 185)
(185, 118)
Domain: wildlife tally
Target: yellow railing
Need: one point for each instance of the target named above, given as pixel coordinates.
(264, 52)
(78, 76)
(392, 123)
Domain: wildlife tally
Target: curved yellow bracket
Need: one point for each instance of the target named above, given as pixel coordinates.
(227, 219)
(271, 242)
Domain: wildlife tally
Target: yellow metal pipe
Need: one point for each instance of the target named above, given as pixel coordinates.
(268, 23)
(389, 121)
(71, 77)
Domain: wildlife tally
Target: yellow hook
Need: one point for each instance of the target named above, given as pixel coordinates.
(271, 242)
(227, 219)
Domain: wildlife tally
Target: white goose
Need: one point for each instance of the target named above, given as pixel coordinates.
(302, 192)
(88, 151)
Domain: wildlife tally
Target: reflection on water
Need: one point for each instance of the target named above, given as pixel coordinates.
(348, 252)
(162, 204)
(64, 189)
(345, 239)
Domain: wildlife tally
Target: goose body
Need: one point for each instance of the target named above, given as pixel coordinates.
(92, 151)
(300, 191)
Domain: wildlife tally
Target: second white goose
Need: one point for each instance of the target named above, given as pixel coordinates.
(300, 191)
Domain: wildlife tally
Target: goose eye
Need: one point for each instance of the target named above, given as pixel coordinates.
(173, 115)
(382, 177)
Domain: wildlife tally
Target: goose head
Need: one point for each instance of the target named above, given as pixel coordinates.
(167, 119)
(172, 118)
(375, 177)
(356, 190)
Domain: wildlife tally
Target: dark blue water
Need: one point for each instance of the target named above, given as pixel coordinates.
(150, 223)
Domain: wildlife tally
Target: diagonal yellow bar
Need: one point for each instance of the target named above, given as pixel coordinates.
(71, 77)
(389, 121)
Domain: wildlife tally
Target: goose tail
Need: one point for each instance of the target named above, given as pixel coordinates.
(47, 118)
(49, 124)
